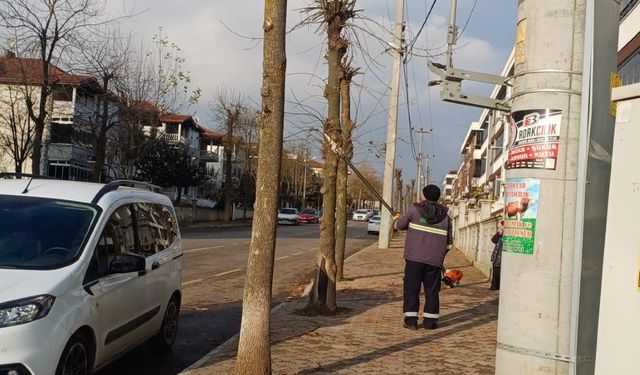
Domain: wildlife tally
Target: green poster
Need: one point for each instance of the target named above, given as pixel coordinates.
(520, 215)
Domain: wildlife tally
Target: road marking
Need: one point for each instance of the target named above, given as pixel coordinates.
(313, 249)
(192, 282)
(283, 257)
(203, 249)
(299, 252)
(228, 272)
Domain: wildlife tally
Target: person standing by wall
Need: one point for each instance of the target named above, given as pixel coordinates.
(428, 240)
(496, 257)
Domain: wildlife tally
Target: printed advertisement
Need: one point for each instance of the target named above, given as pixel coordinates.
(534, 139)
(520, 215)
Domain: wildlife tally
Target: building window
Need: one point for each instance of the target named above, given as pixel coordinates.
(498, 145)
(62, 93)
(171, 129)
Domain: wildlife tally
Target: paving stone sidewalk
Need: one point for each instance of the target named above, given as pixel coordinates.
(368, 338)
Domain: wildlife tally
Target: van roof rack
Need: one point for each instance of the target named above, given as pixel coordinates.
(114, 185)
(8, 175)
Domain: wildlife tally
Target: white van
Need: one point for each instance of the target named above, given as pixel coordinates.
(87, 272)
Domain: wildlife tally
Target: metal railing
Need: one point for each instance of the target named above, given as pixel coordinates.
(626, 7)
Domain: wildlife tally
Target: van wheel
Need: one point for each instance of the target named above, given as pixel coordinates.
(164, 339)
(75, 359)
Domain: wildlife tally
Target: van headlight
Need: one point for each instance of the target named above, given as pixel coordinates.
(25, 310)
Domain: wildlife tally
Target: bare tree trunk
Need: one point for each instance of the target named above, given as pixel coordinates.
(347, 153)
(322, 298)
(398, 200)
(100, 142)
(254, 351)
(228, 183)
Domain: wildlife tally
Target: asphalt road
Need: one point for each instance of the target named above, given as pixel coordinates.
(213, 280)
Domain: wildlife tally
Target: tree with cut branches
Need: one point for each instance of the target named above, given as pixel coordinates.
(332, 15)
(228, 109)
(104, 57)
(254, 351)
(347, 72)
(46, 30)
(16, 128)
(249, 135)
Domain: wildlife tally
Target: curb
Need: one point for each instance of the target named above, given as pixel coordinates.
(196, 365)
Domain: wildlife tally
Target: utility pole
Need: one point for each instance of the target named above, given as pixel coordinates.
(419, 176)
(427, 171)
(304, 181)
(553, 245)
(397, 51)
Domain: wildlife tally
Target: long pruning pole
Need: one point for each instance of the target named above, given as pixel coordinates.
(366, 183)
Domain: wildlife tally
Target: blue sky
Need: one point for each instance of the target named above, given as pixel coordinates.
(219, 57)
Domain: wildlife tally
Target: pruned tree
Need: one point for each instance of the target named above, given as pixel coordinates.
(398, 201)
(228, 108)
(47, 30)
(332, 16)
(153, 80)
(249, 134)
(167, 164)
(254, 351)
(104, 57)
(16, 128)
(347, 72)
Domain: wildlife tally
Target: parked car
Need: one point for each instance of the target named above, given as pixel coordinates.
(374, 225)
(288, 216)
(88, 272)
(361, 215)
(376, 212)
(309, 215)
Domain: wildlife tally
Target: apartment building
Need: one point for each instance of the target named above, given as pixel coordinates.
(483, 153)
(74, 101)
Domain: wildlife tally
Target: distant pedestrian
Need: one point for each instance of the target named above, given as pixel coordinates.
(428, 241)
(496, 256)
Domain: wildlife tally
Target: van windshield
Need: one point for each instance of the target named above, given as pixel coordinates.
(39, 233)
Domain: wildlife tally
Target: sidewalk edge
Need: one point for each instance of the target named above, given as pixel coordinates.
(196, 365)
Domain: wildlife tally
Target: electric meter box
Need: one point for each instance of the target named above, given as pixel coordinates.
(618, 348)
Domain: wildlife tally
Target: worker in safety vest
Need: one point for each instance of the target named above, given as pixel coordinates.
(428, 240)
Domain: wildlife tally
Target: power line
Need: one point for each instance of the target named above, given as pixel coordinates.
(468, 19)
(424, 23)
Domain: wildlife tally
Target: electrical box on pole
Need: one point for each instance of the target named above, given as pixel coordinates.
(451, 79)
(619, 325)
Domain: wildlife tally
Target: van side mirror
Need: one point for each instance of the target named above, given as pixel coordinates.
(128, 262)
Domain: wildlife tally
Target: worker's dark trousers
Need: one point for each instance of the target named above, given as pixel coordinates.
(418, 274)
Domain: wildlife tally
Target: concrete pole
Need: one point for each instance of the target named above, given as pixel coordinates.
(420, 177)
(548, 315)
(304, 183)
(390, 150)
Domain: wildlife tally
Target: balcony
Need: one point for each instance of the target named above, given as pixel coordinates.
(206, 155)
(69, 152)
(627, 6)
(175, 138)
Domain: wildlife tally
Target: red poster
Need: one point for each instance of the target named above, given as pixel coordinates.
(534, 139)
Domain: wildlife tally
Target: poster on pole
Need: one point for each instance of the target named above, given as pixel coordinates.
(520, 215)
(534, 139)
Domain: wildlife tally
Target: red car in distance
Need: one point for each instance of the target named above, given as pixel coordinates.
(309, 215)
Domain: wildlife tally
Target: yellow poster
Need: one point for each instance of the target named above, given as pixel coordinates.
(521, 33)
(615, 82)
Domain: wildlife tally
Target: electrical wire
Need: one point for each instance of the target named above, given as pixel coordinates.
(468, 19)
(424, 23)
(406, 87)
